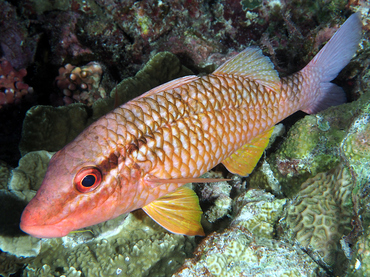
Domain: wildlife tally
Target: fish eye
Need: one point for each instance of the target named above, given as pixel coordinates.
(87, 179)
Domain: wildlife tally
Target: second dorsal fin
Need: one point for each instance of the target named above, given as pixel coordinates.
(252, 64)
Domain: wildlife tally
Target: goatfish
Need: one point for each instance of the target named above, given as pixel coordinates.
(142, 153)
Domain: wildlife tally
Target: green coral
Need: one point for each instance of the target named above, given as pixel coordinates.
(17, 187)
(321, 214)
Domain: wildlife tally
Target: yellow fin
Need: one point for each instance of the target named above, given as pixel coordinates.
(251, 63)
(178, 212)
(244, 160)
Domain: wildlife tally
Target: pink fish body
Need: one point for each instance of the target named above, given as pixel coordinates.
(140, 154)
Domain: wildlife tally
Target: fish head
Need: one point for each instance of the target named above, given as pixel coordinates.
(82, 187)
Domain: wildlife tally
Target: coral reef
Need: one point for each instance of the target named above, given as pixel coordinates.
(321, 214)
(65, 45)
(216, 193)
(18, 46)
(121, 36)
(12, 88)
(237, 252)
(81, 84)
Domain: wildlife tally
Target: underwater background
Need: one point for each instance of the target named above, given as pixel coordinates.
(304, 210)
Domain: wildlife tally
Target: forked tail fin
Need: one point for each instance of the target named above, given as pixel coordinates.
(331, 59)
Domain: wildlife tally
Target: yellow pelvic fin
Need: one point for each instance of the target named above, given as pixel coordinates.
(178, 212)
(251, 63)
(244, 160)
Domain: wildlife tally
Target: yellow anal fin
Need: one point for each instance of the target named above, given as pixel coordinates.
(244, 160)
(178, 212)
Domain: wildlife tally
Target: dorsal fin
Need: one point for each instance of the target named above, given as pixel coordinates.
(169, 85)
(251, 63)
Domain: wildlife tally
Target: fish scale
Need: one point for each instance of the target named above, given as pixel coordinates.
(141, 154)
(196, 109)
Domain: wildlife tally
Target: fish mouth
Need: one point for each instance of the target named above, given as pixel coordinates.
(44, 231)
(34, 224)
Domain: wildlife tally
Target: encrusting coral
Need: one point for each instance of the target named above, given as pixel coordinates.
(59, 126)
(17, 187)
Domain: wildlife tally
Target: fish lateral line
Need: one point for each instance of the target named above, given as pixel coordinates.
(154, 180)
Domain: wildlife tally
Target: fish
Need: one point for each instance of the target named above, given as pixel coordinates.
(140, 155)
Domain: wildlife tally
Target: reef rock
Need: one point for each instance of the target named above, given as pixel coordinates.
(237, 252)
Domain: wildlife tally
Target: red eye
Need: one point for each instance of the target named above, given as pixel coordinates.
(87, 179)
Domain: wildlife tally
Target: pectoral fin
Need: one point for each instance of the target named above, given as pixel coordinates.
(244, 160)
(178, 212)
